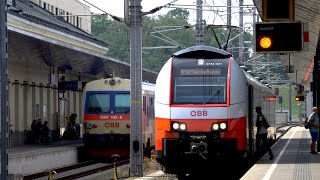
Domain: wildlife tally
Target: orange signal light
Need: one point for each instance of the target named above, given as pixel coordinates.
(265, 42)
(300, 98)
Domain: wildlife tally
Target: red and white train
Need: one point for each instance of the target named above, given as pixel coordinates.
(205, 109)
(107, 117)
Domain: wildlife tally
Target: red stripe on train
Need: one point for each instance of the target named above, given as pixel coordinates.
(91, 117)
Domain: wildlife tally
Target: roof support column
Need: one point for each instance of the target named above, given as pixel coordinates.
(4, 88)
(316, 82)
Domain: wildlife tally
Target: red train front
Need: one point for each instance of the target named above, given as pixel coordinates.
(203, 109)
(107, 118)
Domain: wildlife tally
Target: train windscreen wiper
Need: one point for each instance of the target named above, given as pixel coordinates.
(127, 111)
(212, 96)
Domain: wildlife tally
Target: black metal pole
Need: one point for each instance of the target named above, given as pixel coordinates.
(316, 83)
(4, 88)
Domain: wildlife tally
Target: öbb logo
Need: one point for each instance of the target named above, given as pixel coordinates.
(199, 113)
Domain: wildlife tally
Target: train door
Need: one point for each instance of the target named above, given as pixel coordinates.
(250, 120)
(148, 123)
(150, 119)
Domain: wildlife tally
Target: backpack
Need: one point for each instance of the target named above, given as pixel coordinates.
(306, 124)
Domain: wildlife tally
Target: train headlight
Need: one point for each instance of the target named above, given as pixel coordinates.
(183, 127)
(112, 82)
(220, 126)
(88, 125)
(223, 125)
(177, 126)
(215, 127)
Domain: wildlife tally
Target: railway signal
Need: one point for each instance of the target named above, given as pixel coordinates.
(300, 98)
(278, 37)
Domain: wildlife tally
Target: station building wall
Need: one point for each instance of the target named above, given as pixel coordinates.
(31, 96)
(71, 11)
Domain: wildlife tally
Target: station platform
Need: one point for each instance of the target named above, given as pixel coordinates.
(32, 158)
(293, 160)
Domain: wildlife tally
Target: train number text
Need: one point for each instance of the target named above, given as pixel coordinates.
(110, 117)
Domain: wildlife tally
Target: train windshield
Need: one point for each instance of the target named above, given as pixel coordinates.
(200, 81)
(122, 103)
(99, 103)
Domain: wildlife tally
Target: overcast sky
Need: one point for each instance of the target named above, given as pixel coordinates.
(116, 7)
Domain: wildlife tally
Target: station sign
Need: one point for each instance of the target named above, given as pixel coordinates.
(68, 85)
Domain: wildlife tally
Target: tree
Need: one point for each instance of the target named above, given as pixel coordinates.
(117, 36)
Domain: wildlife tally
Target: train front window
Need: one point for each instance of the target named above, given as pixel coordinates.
(200, 81)
(122, 103)
(99, 103)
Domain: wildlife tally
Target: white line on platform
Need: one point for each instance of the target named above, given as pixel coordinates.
(274, 165)
(151, 176)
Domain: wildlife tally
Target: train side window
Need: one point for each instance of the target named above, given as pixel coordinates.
(151, 108)
(151, 100)
(144, 105)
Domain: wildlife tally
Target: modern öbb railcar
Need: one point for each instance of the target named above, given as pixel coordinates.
(205, 109)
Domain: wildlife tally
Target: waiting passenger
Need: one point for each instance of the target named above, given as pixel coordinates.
(45, 132)
(314, 129)
(35, 132)
(262, 133)
(70, 132)
(39, 130)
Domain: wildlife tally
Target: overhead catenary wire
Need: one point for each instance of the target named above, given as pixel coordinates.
(113, 16)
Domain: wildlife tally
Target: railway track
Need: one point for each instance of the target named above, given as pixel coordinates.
(77, 170)
(92, 167)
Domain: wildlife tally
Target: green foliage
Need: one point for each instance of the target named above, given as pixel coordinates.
(115, 34)
(284, 92)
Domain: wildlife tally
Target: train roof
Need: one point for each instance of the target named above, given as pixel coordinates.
(148, 86)
(145, 85)
(253, 80)
(202, 51)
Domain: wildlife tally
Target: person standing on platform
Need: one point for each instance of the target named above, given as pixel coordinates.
(45, 132)
(314, 129)
(35, 131)
(262, 133)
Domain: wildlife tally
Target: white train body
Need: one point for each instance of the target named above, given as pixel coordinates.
(205, 108)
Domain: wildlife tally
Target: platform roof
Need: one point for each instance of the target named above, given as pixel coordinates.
(29, 46)
(305, 11)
